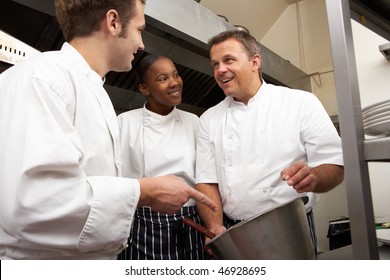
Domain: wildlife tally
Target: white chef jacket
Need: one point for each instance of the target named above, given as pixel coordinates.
(244, 148)
(157, 145)
(60, 196)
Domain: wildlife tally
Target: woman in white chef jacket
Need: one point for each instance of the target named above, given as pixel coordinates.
(160, 139)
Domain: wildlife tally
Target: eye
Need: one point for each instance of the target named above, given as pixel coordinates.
(161, 78)
(229, 59)
(214, 65)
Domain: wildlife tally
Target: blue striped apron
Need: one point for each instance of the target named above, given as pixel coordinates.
(156, 236)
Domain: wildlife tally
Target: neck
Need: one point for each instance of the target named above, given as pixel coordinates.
(92, 50)
(161, 110)
(250, 92)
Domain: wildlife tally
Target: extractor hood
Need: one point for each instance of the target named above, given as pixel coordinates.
(12, 50)
(373, 14)
(178, 29)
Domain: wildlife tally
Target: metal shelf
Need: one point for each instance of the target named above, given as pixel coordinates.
(377, 149)
(356, 150)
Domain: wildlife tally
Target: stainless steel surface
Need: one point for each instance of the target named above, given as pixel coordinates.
(193, 23)
(373, 14)
(350, 117)
(178, 29)
(385, 50)
(346, 253)
(45, 6)
(13, 51)
(278, 70)
(282, 233)
(377, 149)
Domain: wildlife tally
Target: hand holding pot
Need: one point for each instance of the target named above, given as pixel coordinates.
(209, 234)
(216, 230)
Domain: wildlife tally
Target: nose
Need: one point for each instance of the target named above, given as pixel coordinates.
(141, 45)
(175, 81)
(221, 69)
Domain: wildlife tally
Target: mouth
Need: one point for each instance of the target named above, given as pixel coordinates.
(226, 80)
(174, 93)
(134, 54)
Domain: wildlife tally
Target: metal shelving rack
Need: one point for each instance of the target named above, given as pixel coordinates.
(356, 150)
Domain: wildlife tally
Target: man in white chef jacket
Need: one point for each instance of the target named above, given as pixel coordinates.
(263, 145)
(61, 196)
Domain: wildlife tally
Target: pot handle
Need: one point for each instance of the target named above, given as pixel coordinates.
(199, 228)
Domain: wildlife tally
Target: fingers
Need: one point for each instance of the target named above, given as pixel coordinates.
(167, 194)
(305, 185)
(299, 176)
(288, 172)
(209, 251)
(217, 229)
(200, 197)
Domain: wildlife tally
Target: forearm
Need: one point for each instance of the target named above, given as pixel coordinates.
(210, 218)
(328, 176)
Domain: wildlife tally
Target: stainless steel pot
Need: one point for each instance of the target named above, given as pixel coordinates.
(280, 233)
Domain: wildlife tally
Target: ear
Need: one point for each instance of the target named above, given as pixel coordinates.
(256, 62)
(112, 22)
(143, 89)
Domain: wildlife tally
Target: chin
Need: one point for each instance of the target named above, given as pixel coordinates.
(124, 68)
(226, 89)
(129, 68)
(176, 103)
(228, 92)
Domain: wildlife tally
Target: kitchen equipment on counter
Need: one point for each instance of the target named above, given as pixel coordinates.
(383, 235)
(339, 233)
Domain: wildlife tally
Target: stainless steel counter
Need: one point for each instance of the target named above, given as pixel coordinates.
(345, 253)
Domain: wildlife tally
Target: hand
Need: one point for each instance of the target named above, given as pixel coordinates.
(217, 230)
(300, 176)
(167, 194)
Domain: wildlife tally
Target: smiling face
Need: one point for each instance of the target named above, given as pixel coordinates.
(129, 40)
(162, 86)
(235, 72)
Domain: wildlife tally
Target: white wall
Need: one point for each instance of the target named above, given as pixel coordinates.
(301, 35)
(374, 85)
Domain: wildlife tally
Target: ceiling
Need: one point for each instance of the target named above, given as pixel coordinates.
(250, 13)
(374, 14)
(39, 29)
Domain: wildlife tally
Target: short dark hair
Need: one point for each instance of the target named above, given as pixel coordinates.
(83, 17)
(144, 64)
(250, 44)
